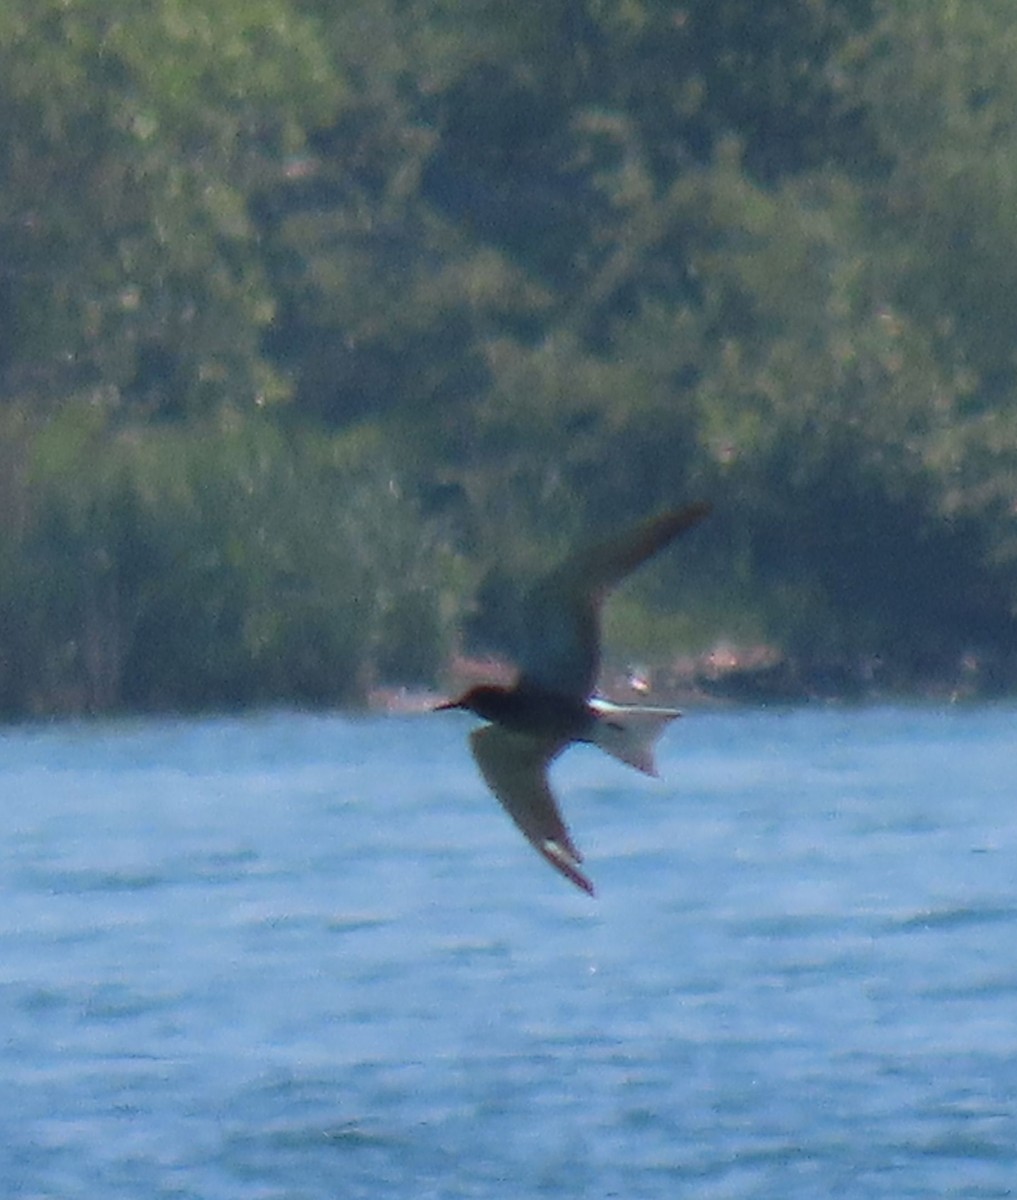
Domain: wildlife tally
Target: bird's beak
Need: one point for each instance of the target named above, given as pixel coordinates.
(446, 705)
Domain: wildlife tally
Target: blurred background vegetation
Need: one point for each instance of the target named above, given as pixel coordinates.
(320, 319)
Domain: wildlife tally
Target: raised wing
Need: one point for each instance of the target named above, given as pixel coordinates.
(515, 768)
(560, 651)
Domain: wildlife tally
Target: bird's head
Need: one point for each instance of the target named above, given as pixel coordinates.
(484, 700)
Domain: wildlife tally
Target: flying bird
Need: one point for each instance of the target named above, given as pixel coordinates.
(552, 704)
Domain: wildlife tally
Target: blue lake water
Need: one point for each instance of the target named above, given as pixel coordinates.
(305, 957)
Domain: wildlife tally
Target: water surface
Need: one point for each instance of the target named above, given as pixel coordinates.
(307, 957)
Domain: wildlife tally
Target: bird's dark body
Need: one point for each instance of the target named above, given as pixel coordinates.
(532, 710)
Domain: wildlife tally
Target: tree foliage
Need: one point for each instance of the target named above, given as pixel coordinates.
(318, 315)
(223, 564)
(132, 139)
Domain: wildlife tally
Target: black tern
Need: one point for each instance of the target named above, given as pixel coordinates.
(552, 704)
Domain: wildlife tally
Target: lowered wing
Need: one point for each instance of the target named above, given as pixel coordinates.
(514, 766)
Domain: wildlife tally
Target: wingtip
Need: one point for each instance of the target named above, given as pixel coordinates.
(562, 861)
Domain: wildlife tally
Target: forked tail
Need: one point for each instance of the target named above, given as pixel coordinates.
(629, 732)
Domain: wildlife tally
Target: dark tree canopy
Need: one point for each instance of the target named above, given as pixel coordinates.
(318, 319)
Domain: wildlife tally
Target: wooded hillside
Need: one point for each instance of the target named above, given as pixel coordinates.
(320, 319)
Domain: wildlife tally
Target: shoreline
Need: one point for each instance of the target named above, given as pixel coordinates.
(732, 676)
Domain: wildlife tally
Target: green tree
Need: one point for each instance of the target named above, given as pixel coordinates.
(227, 563)
(940, 84)
(131, 140)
